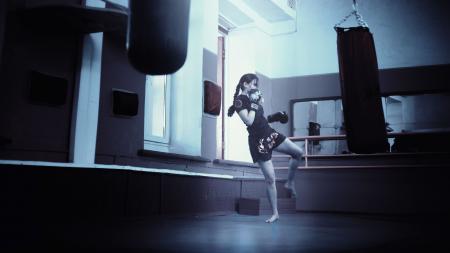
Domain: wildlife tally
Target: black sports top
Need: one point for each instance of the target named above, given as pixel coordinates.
(260, 125)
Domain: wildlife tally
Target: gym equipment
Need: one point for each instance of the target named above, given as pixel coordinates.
(157, 30)
(212, 98)
(158, 35)
(125, 103)
(361, 100)
(281, 117)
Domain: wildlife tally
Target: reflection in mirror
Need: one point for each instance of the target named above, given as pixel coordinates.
(417, 112)
(320, 117)
(406, 113)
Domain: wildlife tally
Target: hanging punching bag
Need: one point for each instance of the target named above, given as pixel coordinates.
(361, 100)
(158, 35)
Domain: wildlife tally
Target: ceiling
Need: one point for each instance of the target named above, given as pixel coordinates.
(271, 16)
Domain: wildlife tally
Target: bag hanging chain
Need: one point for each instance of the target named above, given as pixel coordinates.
(358, 16)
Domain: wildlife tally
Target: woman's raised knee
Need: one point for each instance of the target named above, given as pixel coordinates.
(297, 154)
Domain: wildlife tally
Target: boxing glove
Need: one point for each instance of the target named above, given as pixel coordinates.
(282, 117)
(254, 95)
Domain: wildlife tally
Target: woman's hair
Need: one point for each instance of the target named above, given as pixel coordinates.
(240, 86)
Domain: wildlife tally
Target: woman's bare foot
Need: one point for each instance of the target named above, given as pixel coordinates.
(291, 187)
(273, 218)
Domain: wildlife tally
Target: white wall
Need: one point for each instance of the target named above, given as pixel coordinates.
(209, 67)
(239, 59)
(406, 33)
(210, 23)
(187, 83)
(247, 51)
(85, 117)
(187, 89)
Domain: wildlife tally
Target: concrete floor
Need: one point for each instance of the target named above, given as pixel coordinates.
(299, 232)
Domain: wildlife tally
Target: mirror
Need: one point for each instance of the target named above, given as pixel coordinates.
(403, 113)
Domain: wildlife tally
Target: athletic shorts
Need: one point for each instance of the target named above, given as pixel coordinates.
(261, 146)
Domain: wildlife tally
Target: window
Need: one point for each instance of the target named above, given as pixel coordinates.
(157, 109)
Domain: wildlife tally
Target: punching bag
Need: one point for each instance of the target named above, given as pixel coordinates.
(358, 70)
(158, 35)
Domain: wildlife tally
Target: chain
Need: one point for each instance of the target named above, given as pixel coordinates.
(360, 20)
(358, 16)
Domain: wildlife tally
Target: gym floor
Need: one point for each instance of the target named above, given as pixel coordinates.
(299, 232)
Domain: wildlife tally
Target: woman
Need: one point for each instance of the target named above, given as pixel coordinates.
(262, 139)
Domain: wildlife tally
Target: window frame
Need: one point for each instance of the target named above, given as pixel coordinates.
(151, 141)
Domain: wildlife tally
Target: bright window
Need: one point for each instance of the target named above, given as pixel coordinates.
(157, 109)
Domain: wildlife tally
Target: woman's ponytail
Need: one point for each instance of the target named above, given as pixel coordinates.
(247, 78)
(232, 109)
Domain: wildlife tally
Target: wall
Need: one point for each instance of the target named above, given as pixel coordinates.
(209, 72)
(36, 192)
(209, 122)
(239, 59)
(412, 80)
(35, 131)
(406, 34)
(115, 139)
(118, 135)
(247, 51)
(3, 12)
(40, 192)
(403, 56)
(278, 93)
(425, 112)
(386, 190)
(192, 133)
(409, 36)
(89, 191)
(187, 90)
